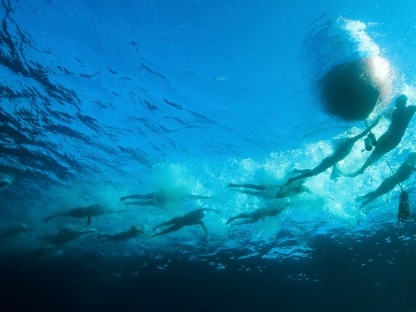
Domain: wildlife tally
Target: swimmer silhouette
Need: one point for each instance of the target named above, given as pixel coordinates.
(402, 174)
(158, 198)
(270, 192)
(342, 151)
(63, 236)
(256, 215)
(84, 212)
(4, 183)
(40, 251)
(191, 218)
(14, 230)
(400, 119)
(132, 233)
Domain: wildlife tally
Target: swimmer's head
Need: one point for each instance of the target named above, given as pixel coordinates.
(411, 159)
(412, 155)
(401, 101)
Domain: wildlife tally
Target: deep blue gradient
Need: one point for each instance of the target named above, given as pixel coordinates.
(103, 99)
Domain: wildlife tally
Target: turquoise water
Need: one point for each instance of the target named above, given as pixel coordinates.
(101, 100)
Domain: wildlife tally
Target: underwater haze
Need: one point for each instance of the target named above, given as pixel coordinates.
(102, 100)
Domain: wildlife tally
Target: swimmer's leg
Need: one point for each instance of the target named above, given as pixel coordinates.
(306, 174)
(336, 172)
(166, 223)
(4, 183)
(119, 211)
(240, 216)
(204, 227)
(50, 217)
(366, 199)
(374, 157)
(252, 186)
(79, 212)
(62, 214)
(173, 228)
(138, 196)
(86, 232)
(300, 170)
(304, 189)
(231, 219)
(43, 237)
(107, 236)
(249, 221)
(199, 196)
(353, 174)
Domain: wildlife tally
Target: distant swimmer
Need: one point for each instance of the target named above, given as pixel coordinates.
(342, 151)
(40, 251)
(402, 174)
(400, 120)
(63, 236)
(256, 215)
(272, 191)
(14, 230)
(158, 198)
(132, 233)
(191, 218)
(84, 212)
(4, 183)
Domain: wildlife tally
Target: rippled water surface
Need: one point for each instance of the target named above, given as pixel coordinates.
(104, 99)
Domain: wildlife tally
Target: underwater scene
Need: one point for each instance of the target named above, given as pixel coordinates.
(201, 155)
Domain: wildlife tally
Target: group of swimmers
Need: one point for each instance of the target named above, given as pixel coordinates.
(159, 198)
(400, 119)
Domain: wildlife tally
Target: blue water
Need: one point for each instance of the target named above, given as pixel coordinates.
(104, 99)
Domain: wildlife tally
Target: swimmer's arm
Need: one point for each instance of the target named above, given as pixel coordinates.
(204, 227)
